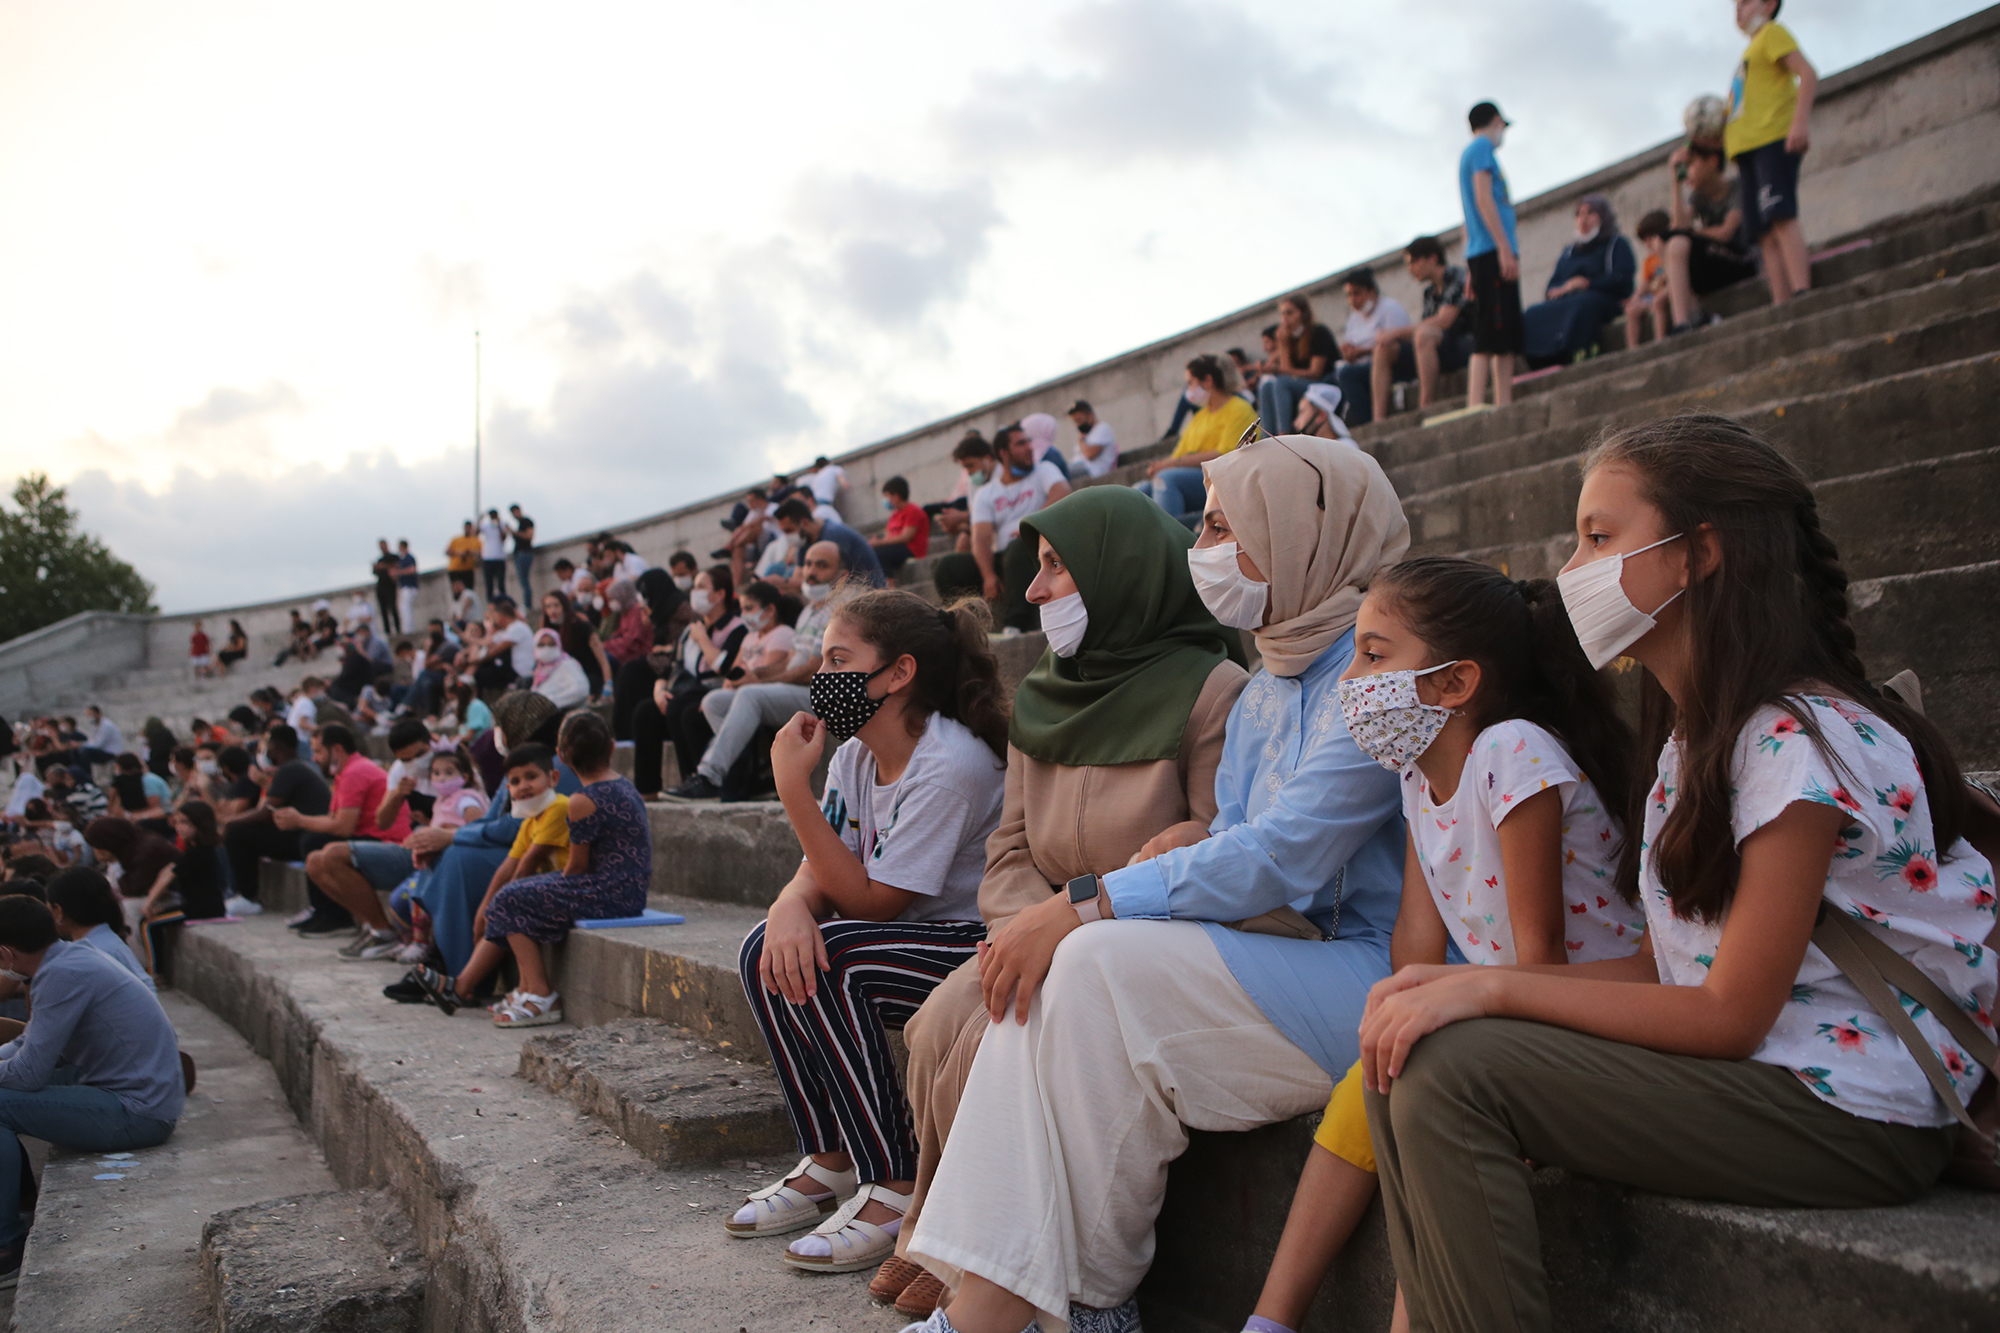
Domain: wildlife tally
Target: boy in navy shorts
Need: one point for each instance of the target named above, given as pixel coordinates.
(1492, 262)
(1770, 103)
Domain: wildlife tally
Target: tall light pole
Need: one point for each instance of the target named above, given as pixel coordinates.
(476, 415)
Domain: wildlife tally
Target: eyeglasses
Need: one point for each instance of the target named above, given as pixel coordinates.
(1256, 434)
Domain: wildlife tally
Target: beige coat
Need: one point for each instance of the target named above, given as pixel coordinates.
(1057, 823)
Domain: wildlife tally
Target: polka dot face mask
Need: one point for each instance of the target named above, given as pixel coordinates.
(841, 700)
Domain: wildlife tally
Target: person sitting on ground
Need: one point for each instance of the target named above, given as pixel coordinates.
(579, 639)
(326, 628)
(1049, 1183)
(703, 659)
(358, 613)
(86, 911)
(356, 672)
(234, 649)
(1304, 353)
(508, 655)
(997, 569)
(974, 457)
(1732, 1059)
(288, 782)
(1040, 428)
(1650, 296)
(1369, 314)
(907, 534)
(1592, 278)
(857, 557)
(557, 675)
(606, 876)
(773, 701)
(1096, 442)
(103, 742)
(882, 909)
(1116, 734)
(1705, 247)
(1442, 337)
(1219, 424)
(298, 640)
(351, 842)
(1513, 849)
(195, 887)
(97, 1068)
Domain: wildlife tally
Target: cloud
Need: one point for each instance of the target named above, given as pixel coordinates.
(227, 409)
(893, 253)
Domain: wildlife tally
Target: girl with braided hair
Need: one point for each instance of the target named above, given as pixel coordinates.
(1729, 1058)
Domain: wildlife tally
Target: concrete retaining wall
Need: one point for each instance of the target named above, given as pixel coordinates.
(59, 660)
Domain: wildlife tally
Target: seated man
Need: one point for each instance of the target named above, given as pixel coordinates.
(997, 569)
(1369, 313)
(1096, 444)
(1705, 249)
(359, 785)
(974, 457)
(509, 652)
(103, 742)
(97, 1068)
(358, 874)
(777, 694)
(1442, 338)
(907, 535)
(857, 557)
(826, 481)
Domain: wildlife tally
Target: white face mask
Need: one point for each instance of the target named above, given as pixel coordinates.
(547, 652)
(684, 581)
(208, 768)
(1387, 719)
(702, 600)
(1604, 618)
(1064, 621)
(597, 603)
(12, 975)
(534, 805)
(1586, 234)
(1754, 25)
(1231, 596)
(816, 592)
(1196, 394)
(757, 620)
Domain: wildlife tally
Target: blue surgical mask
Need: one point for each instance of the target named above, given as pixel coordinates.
(980, 477)
(888, 505)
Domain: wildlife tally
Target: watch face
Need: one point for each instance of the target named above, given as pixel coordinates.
(1083, 888)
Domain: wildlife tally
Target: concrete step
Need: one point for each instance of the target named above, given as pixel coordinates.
(1617, 1258)
(116, 1241)
(336, 1262)
(741, 853)
(668, 1094)
(530, 1213)
(685, 975)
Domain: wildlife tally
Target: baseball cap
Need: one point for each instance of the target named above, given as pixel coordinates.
(1080, 405)
(1484, 114)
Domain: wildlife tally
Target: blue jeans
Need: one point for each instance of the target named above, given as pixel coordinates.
(78, 1118)
(1278, 401)
(1178, 490)
(523, 562)
(1357, 389)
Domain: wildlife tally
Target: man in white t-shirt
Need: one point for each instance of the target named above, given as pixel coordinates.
(1000, 568)
(510, 647)
(1096, 446)
(302, 715)
(826, 481)
(493, 554)
(1369, 312)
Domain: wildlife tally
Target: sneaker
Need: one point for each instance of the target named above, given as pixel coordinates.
(297, 919)
(318, 927)
(416, 953)
(370, 944)
(236, 906)
(696, 788)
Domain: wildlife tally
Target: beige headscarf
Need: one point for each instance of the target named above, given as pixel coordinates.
(1317, 560)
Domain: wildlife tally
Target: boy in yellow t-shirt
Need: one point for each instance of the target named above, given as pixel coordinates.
(544, 815)
(1770, 103)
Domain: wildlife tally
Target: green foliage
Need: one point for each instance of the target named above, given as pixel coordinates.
(49, 570)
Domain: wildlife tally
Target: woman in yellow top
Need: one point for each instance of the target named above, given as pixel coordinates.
(1217, 427)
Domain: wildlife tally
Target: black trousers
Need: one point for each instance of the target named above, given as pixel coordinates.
(495, 673)
(631, 685)
(247, 841)
(392, 621)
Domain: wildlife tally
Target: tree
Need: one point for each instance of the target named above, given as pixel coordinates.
(49, 570)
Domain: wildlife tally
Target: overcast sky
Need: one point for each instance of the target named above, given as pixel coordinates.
(244, 245)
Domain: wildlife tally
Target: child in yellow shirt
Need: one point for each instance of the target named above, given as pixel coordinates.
(1770, 104)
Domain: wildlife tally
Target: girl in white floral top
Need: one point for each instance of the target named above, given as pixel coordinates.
(1727, 1059)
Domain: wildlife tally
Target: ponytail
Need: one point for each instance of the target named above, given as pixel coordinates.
(957, 674)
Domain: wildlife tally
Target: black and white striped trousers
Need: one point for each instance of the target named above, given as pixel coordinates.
(832, 1052)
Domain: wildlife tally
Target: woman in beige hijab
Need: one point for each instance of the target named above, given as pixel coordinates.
(1159, 1016)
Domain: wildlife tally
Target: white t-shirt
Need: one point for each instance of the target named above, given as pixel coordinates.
(1885, 871)
(925, 832)
(1005, 503)
(1106, 443)
(522, 640)
(492, 541)
(302, 714)
(27, 787)
(359, 612)
(399, 770)
(1387, 314)
(1458, 846)
(465, 606)
(631, 565)
(825, 484)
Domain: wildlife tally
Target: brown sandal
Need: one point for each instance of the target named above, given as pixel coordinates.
(895, 1274)
(921, 1297)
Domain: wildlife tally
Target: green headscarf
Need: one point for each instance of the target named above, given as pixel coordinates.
(1125, 696)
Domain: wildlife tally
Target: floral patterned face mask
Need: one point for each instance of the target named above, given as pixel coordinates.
(1387, 720)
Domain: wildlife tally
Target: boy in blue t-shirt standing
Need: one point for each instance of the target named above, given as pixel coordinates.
(1770, 105)
(1491, 260)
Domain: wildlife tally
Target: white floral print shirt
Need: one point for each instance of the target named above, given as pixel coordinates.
(1886, 871)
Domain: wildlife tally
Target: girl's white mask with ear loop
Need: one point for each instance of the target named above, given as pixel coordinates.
(1387, 720)
(1231, 596)
(1604, 618)
(1064, 621)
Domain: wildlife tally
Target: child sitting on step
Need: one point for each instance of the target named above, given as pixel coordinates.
(1798, 817)
(609, 868)
(1514, 763)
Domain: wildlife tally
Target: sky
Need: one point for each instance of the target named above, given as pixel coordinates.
(245, 246)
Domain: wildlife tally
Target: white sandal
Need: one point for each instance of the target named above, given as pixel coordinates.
(778, 1208)
(844, 1243)
(523, 1009)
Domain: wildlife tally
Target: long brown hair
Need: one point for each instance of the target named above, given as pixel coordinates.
(1769, 624)
(957, 674)
(1301, 348)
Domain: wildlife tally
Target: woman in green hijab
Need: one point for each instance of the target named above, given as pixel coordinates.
(1116, 735)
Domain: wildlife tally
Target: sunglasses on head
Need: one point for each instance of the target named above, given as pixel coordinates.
(1256, 434)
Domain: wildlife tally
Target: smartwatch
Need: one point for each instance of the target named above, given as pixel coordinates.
(1083, 896)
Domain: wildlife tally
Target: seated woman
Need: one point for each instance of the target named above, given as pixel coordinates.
(1593, 276)
(1744, 1054)
(1302, 354)
(709, 652)
(235, 648)
(1219, 425)
(1046, 1194)
(1116, 735)
(763, 655)
(882, 909)
(579, 639)
(558, 677)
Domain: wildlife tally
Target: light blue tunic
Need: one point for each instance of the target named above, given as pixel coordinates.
(1303, 818)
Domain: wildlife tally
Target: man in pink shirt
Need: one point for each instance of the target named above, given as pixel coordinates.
(359, 784)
